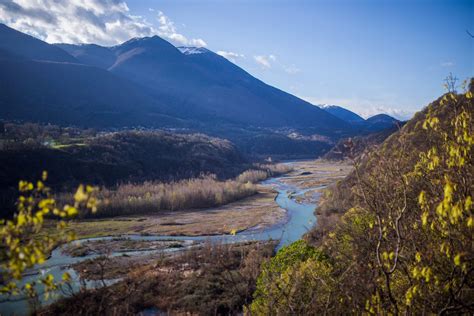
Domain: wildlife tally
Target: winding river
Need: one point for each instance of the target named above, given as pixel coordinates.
(300, 218)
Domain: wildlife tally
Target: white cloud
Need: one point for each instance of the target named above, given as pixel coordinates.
(447, 64)
(104, 22)
(292, 70)
(168, 30)
(269, 61)
(396, 113)
(265, 61)
(230, 55)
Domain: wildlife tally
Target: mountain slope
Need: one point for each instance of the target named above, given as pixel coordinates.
(90, 54)
(349, 148)
(73, 94)
(381, 121)
(25, 46)
(148, 82)
(343, 114)
(201, 84)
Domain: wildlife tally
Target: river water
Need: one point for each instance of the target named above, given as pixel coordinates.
(300, 218)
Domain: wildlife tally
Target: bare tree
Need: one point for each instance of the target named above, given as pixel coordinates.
(450, 83)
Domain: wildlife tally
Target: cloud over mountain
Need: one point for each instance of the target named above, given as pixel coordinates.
(265, 61)
(230, 55)
(105, 22)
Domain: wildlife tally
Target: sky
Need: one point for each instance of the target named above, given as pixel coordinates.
(371, 56)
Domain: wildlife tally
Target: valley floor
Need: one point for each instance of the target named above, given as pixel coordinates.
(174, 265)
(259, 211)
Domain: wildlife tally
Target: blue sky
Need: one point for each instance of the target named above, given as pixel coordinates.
(369, 56)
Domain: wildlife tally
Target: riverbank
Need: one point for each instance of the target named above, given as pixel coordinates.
(282, 212)
(257, 211)
(312, 176)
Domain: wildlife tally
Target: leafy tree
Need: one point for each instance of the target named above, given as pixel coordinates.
(25, 240)
(282, 284)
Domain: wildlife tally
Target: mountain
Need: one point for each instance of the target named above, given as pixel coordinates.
(204, 84)
(110, 158)
(149, 82)
(41, 82)
(373, 124)
(399, 225)
(343, 114)
(380, 122)
(201, 84)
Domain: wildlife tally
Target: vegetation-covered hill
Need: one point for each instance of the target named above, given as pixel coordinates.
(352, 147)
(394, 237)
(71, 156)
(381, 121)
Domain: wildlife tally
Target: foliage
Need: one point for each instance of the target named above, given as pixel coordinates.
(24, 243)
(202, 192)
(283, 281)
(262, 172)
(152, 197)
(405, 242)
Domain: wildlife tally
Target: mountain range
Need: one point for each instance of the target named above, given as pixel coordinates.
(149, 82)
(374, 123)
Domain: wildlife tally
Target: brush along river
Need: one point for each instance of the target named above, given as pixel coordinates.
(297, 194)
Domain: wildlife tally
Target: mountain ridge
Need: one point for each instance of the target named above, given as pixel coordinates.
(203, 87)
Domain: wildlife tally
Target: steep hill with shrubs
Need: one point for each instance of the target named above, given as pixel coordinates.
(395, 236)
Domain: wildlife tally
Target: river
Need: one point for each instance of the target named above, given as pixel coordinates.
(300, 218)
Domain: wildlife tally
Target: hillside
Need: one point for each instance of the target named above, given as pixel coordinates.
(395, 236)
(24, 46)
(381, 121)
(75, 94)
(343, 114)
(109, 159)
(352, 147)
